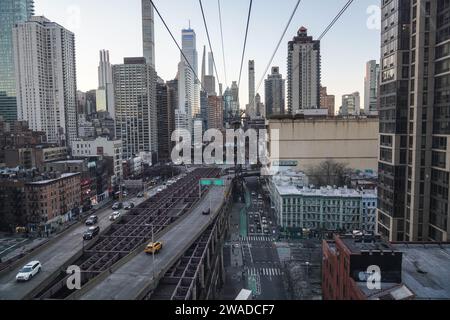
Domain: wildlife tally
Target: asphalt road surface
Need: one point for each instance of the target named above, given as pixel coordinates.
(53, 257)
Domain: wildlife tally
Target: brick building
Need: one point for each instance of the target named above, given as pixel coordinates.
(53, 201)
(407, 270)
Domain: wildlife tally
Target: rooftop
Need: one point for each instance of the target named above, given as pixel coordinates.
(292, 190)
(426, 269)
(63, 176)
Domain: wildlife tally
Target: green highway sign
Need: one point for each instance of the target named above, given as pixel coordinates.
(210, 182)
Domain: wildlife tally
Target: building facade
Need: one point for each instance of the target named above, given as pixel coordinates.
(304, 73)
(371, 84)
(148, 32)
(327, 101)
(165, 115)
(275, 93)
(11, 12)
(105, 92)
(414, 161)
(307, 142)
(136, 114)
(351, 105)
(251, 110)
(44, 56)
(326, 208)
(53, 201)
(215, 113)
(101, 147)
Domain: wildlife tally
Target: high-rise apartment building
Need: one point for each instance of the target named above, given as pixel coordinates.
(136, 114)
(414, 163)
(251, 110)
(327, 101)
(148, 32)
(105, 92)
(260, 108)
(351, 104)
(215, 113)
(11, 12)
(186, 88)
(304, 73)
(371, 84)
(189, 47)
(275, 93)
(165, 118)
(45, 72)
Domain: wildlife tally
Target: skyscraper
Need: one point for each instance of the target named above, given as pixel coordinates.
(304, 73)
(148, 32)
(251, 112)
(371, 83)
(275, 93)
(414, 164)
(11, 12)
(210, 64)
(105, 92)
(209, 81)
(189, 47)
(165, 119)
(188, 86)
(45, 51)
(136, 114)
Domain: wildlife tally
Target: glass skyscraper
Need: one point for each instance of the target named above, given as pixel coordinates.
(11, 12)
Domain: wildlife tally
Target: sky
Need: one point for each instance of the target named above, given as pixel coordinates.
(115, 25)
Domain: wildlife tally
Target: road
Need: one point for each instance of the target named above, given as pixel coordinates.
(55, 256)
(137, 274)
(252, 260)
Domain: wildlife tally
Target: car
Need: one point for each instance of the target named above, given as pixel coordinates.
(28, 271)
(153, 247)
(92, 220)
(206, 212)
(140, 195)
(117, 206)
(91, 233)
(129, 206)
(114, 216)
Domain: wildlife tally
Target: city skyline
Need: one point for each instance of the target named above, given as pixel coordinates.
(353, 31)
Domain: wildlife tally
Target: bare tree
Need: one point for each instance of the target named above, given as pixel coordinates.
(329, 173)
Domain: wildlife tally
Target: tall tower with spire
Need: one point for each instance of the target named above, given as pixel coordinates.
(148, 32)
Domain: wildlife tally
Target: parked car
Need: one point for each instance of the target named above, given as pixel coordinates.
(91, 233)
(117, 206)
(153, 247)
(129, 206)
(28, 271)
(115, 215)
(92, 220)
(140, 195)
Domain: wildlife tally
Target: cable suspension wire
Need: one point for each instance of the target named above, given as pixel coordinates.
(209, 40)
(328, 28)
(223, 46)
(179, 48)
(277, 47)
(245, 42)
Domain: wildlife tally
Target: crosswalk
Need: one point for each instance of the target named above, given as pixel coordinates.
(268, 272)
(257, 239)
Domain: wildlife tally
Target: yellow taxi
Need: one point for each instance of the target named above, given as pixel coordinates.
(153, 247)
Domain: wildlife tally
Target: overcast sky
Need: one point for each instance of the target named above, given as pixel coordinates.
(115, 25)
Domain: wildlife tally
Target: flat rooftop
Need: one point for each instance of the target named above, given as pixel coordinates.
(290, 189)
(426, 269)
(367, 244)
